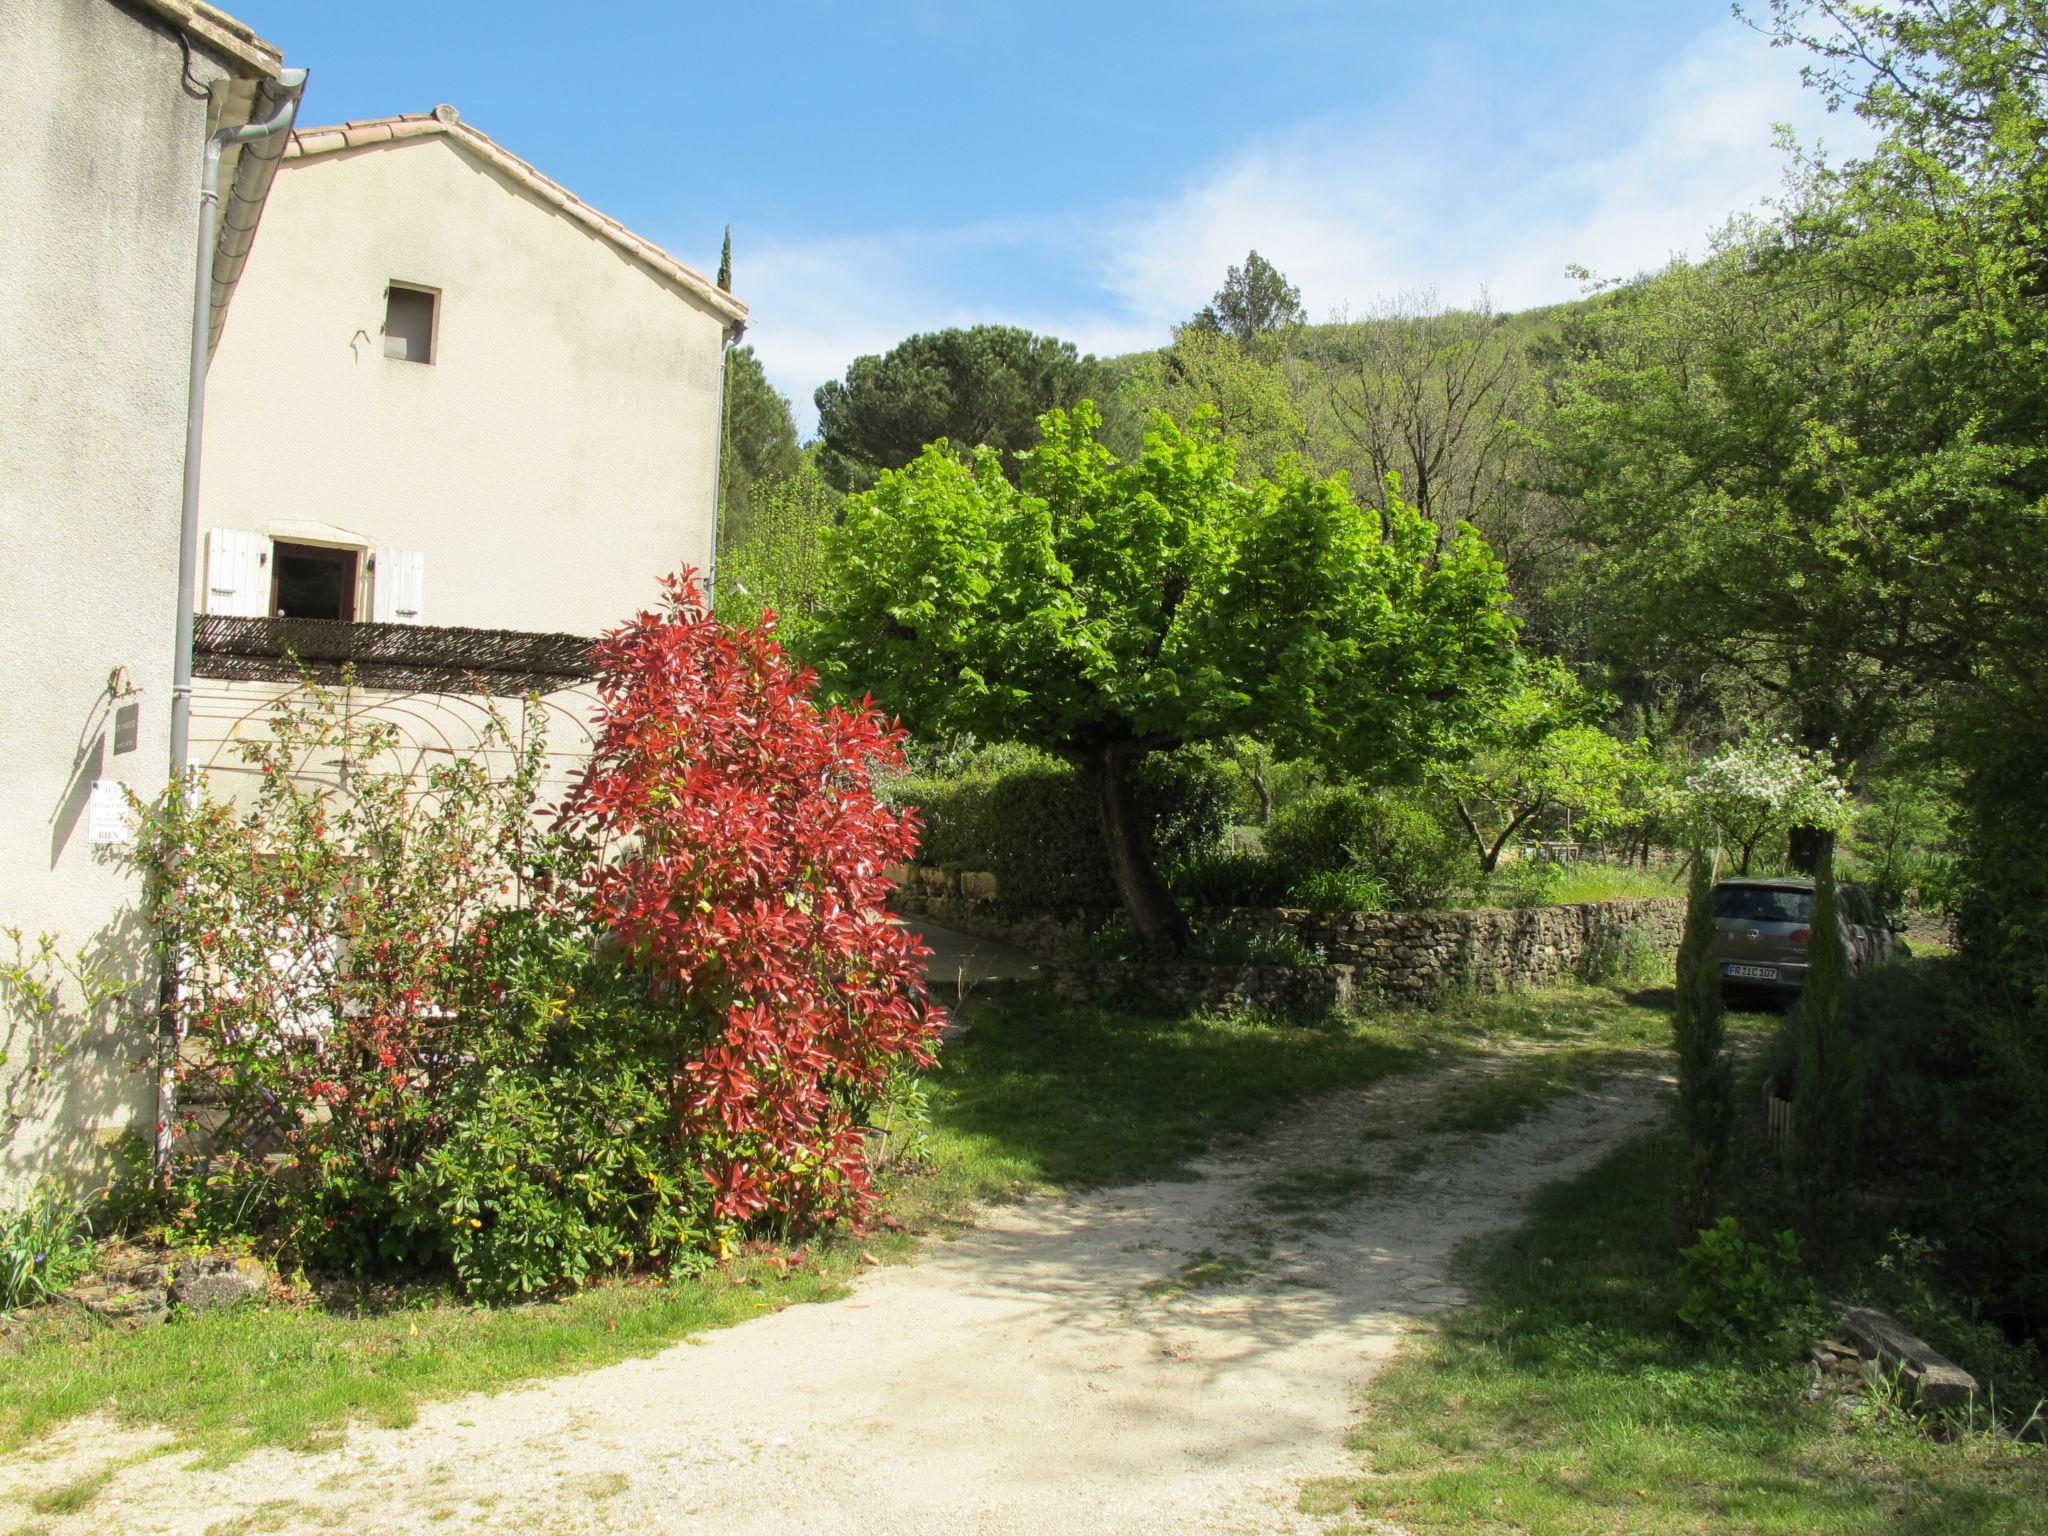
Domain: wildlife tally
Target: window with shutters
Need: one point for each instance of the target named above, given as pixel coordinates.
(311, 581)
(409, 317)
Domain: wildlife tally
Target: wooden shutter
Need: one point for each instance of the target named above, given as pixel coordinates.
(237, 573)
(400, 586)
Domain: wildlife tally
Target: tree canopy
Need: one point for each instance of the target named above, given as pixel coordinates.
(983, 386)
(1541, 749)
(1255, 300)
(1104, 610)
(760, 442)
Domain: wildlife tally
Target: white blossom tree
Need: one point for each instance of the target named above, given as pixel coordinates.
(1771, 784)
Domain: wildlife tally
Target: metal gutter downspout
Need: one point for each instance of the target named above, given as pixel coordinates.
(283, 110)
(732, 339)
(292, 83)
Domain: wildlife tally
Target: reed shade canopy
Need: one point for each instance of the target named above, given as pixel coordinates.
(411, 658)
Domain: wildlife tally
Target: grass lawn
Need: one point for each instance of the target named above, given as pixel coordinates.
(1570, 1400)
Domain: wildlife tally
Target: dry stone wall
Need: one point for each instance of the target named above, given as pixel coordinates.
(1360, 955)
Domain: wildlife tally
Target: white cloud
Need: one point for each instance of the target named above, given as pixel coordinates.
(1388, 202)
(1352, 208)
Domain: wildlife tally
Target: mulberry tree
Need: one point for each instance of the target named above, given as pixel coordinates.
(1104, 610)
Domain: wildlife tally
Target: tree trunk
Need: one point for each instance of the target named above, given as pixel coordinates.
(1147, 902)
(1265, 794)
(1805, 846)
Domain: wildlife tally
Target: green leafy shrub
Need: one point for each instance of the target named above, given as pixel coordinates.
(1029, 818)
(45, 1244)
(1947, 1052)
(560, 1162)
(1340, 890)
(1706, 1088)
(1379, 837)
(1737, 1291)
(1826, 1091)
(1522, 883)
(1231, 878)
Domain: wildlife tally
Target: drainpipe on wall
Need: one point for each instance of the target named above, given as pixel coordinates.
(732, 339)
(291, 89)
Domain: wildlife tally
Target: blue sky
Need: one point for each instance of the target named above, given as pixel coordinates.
(899, 165)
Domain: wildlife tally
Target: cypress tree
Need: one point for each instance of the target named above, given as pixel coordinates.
(1824, 1096)
(725, 262)
(1706, 1089)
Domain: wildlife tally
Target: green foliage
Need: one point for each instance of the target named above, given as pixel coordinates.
(1538, 752)
(781, 564)
(325, 935)
(45, 1244)
(1248, 398)
(1232, 878)
(1956, 1059)
(1255, 301)
(1897, 844)
(560, 1163)
(1567, 1398)
(1106, 611)
(760, 448)
(1529, 882)
(1706, 1087)
(1738, 1292)
(1029, 819)
(1443, 398)
(1394, 844)
(985, 386)
(1826, 1096)
(1340, 890)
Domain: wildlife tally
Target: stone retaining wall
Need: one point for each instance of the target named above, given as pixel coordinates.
(1404, 955)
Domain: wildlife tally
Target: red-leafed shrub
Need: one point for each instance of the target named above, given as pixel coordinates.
(739, 859)
(427, 1024)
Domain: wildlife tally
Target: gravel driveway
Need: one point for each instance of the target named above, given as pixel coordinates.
(1172, 1357)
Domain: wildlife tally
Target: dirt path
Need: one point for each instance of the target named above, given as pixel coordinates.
(1163, 1357)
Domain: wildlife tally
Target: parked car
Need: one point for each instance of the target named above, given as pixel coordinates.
(1763, 932)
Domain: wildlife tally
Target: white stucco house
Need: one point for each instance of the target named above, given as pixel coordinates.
(100, 179)
(455, 398)
(456, 394)
(456, 421)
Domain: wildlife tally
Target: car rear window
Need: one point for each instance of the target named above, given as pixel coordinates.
(1762, 904)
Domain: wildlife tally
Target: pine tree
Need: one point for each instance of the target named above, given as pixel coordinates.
(725, 262)
(1706, 1089)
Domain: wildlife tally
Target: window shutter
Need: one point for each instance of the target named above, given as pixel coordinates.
(400, 586)
(237, 573)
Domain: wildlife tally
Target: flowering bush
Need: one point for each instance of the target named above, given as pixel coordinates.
(323, 935)
(1754, 789)
(426, 1025)
(743, 865)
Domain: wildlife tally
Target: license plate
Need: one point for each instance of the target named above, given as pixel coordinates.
(1752, 972)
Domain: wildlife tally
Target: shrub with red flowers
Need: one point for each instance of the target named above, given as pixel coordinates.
(740, 862)
(320, 912)
(426, 1024)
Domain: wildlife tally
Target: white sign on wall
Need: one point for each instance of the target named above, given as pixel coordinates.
(107, 822)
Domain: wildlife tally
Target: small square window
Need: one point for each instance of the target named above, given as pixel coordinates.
(310, 581)
(409, 323)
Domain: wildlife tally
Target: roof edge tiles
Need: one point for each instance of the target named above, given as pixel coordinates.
(446, 122)
(236, 42)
